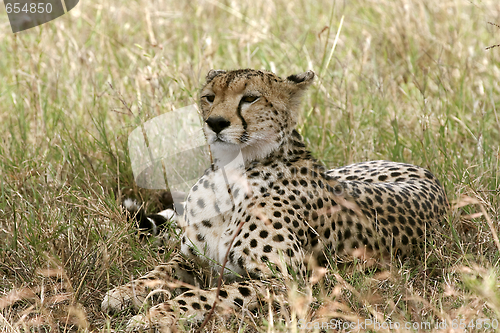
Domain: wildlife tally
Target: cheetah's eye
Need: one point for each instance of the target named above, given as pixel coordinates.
(249, 99)
(209, 98)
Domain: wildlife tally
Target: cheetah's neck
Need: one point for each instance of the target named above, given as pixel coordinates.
(290, 150)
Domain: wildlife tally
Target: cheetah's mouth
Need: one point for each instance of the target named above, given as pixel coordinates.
(224, 141)
(219, 139)
(216, 139)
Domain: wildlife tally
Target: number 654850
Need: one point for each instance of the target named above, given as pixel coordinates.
(32, 8)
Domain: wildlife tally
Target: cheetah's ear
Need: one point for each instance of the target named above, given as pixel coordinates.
(213, 73)
(302, 80)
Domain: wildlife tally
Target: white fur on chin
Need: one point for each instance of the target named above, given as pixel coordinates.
(224, 152)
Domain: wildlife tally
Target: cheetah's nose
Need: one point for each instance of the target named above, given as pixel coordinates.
(217, 124)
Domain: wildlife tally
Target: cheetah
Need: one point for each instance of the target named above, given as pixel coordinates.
(276, 207)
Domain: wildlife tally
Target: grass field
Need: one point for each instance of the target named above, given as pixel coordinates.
(405, 81)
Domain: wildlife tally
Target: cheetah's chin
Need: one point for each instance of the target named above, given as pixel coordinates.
(225, 152)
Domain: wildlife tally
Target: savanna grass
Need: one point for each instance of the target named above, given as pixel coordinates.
(407, 81)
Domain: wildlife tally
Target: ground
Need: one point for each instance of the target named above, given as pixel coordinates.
(404, 81)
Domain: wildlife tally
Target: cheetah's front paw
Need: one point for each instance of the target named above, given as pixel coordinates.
(140, 323)
(133, 295)
(159, 322)
(121, 298)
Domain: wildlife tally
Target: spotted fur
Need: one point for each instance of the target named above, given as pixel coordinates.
(278, 206)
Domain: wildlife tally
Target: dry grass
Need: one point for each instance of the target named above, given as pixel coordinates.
(408, 81)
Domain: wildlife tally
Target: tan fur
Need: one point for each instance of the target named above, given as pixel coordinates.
(289, 207)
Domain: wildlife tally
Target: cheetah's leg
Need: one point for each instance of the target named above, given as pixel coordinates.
(135, 292)
(195, 304)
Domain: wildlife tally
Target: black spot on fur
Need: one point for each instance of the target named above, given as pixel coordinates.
(244, 291)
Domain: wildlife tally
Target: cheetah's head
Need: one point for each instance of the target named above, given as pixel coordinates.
(250, 110)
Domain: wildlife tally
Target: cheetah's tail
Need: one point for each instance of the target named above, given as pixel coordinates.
(151, 223)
